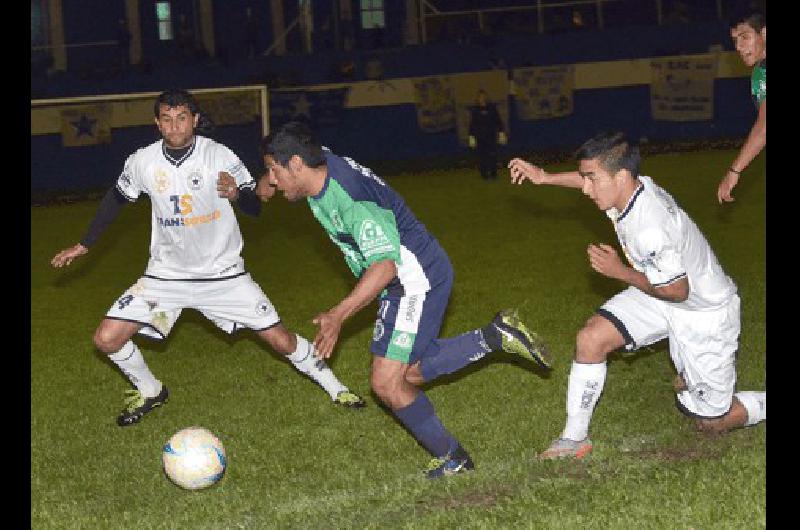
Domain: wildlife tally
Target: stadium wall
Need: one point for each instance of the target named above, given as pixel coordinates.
(391, 133)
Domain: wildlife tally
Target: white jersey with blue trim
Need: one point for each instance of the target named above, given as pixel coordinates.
(194, 233)
(661, 240)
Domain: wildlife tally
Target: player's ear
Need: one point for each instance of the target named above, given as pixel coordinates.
(296, 163)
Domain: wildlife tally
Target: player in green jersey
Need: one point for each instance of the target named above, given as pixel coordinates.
(397, 260)
(749, 33)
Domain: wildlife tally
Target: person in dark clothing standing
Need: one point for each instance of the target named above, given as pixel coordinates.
(485, 132)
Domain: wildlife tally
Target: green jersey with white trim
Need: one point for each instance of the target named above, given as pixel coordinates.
(370, 222)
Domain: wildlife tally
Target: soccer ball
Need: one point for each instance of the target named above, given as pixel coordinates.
(194, 458)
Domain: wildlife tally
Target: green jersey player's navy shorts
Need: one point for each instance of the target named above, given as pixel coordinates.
(408, 326)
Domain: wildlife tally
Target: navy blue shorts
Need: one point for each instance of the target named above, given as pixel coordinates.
(407, 327)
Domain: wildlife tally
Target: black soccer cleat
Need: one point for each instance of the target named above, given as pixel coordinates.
(518, 339)
(454, 462)
(137, 406)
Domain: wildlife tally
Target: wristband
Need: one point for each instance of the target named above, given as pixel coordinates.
(731, 170)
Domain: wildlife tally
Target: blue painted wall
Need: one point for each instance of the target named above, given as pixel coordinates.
(363, 135)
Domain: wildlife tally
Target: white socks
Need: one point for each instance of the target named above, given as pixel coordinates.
(304, 360)
(130, 361)
(585, 386)
(756, 405)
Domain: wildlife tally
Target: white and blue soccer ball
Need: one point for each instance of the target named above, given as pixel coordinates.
(194, 458)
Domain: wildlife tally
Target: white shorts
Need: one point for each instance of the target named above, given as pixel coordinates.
(702, 344)
(230, 304)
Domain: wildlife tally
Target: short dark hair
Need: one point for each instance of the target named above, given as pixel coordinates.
(178, 97)
(293, 138)
(754, 17)
(613, 151)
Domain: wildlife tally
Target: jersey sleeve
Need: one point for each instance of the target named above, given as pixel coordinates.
(129, 182)
(375, 232)
(230, 163)
(662, 262)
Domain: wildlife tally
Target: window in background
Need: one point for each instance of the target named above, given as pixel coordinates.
(372, 14)
(164, 18)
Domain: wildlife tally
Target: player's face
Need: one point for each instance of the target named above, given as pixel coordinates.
(176, 125)
(751, 44)
(599, 185)
(284, 178)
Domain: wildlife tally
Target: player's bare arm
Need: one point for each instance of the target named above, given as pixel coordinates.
(226, 186)
(756, 141)
(605, 260)
(522, 171)
(372, 282)
(66, 256)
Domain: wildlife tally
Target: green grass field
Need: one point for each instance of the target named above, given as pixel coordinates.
(296, 461)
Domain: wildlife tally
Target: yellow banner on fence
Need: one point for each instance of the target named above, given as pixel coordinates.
(682, 88)
(544, 92)
(230, 108)
(86, 125)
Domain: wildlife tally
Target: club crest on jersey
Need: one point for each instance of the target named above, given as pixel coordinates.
(377, 333)
(162, 181)
(263, 307)
(372, 238)
(195, 180)
(403, 340)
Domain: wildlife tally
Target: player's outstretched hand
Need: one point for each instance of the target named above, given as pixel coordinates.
(226, 186)
(66, 256)
(522, 171)
(726, 187)
(330, 324)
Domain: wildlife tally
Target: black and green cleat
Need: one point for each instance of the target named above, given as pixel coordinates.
(518, 339)
(137, 406)
(350, 400)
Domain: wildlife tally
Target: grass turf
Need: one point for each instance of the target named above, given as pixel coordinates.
(296, 461)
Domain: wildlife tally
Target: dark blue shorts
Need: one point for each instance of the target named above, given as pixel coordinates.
(407, 326)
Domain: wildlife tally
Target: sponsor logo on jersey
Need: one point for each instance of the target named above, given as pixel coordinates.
(195, 180)
(137, 289)
(377, 333)
(189, 221)
(336, 219)
(160, 321)
(411, 309)
(162, 181)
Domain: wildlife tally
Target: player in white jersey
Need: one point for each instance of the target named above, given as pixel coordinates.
(677, 290)
(195, 255)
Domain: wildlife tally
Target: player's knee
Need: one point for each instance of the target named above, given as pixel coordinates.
(385, 386)
(712, 425)
(107, 340)
(280, 339)
(591, 343)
